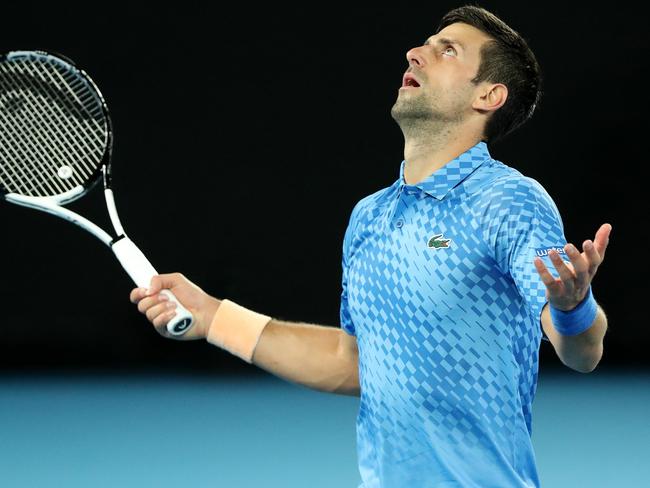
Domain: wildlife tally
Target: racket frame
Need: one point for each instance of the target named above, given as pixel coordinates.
(129, 255)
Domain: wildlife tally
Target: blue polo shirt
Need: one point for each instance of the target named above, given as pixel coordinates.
(441, 292)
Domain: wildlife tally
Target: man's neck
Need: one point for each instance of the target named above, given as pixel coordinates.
(425, 155)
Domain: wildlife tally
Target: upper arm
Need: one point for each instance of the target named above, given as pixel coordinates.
(346, 319)
(524, 223)
(348, 353)
(347, 347)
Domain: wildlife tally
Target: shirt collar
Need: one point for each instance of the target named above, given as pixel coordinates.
(440, 182)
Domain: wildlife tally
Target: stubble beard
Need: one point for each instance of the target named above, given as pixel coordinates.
(421, 113)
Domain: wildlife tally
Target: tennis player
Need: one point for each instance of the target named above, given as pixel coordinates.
(451, 277)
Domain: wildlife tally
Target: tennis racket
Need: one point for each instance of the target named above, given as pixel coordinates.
(55, 145)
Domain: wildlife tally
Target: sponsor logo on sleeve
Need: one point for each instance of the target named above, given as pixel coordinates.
(543, 251)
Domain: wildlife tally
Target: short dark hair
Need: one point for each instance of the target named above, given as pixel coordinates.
(506, 59)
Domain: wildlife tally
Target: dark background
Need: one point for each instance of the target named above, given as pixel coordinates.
(244, 137)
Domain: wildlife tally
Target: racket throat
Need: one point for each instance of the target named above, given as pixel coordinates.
(41, 203)
(52, 205)
(112, 212)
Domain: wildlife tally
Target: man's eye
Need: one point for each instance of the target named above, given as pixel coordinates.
(448, 49)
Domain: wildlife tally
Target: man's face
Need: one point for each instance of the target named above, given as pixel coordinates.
(437, 83)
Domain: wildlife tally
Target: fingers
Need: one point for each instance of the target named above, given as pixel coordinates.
(154, 303)
(161, 321)
(602, 240)
(581, 266)
(158, 308)
(566, 275)
(161, 308)
(150, 301)
(137, 294)
(155, 285)
(167, 281)
(595, 251)
(553, 286)
(158, 282)
(593, 256)
(576, 275)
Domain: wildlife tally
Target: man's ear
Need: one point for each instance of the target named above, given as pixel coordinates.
(491, 97)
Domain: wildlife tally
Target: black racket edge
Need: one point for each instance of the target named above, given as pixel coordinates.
(103, 171)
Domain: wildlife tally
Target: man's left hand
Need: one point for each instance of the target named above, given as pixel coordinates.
(570, 289)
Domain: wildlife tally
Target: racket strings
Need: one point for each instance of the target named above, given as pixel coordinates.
(45, 153)
(54, 132)
(18, 149)
(55, 118)
(28, 151)
(19, 173)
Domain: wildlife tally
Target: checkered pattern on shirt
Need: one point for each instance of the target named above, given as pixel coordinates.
(448, 338)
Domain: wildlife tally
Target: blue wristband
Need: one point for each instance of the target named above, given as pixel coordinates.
(577, 320)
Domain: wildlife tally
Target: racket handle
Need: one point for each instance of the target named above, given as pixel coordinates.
(141, 271)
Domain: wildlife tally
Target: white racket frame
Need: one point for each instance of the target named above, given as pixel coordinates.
(128, 254)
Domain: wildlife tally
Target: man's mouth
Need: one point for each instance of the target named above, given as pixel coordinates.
(410, 81)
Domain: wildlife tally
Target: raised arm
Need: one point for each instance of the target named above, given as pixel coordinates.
(318, 357)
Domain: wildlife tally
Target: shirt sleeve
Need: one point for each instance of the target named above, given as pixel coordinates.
(524, 224)
(346, 320)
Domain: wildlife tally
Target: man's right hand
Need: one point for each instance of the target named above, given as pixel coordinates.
(159, 310)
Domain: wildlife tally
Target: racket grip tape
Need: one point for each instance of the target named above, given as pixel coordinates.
(141, 271)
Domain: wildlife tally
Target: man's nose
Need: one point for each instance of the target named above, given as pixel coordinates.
(414, 57)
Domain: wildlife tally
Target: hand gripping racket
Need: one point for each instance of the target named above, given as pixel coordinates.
(55, 145)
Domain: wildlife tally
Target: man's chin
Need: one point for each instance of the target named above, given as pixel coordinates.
(403, 110)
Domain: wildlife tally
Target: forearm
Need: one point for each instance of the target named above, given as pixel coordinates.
(581, 352)
(311, 355)
(322, 358)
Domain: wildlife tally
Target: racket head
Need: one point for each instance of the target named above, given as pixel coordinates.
(56, 135)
